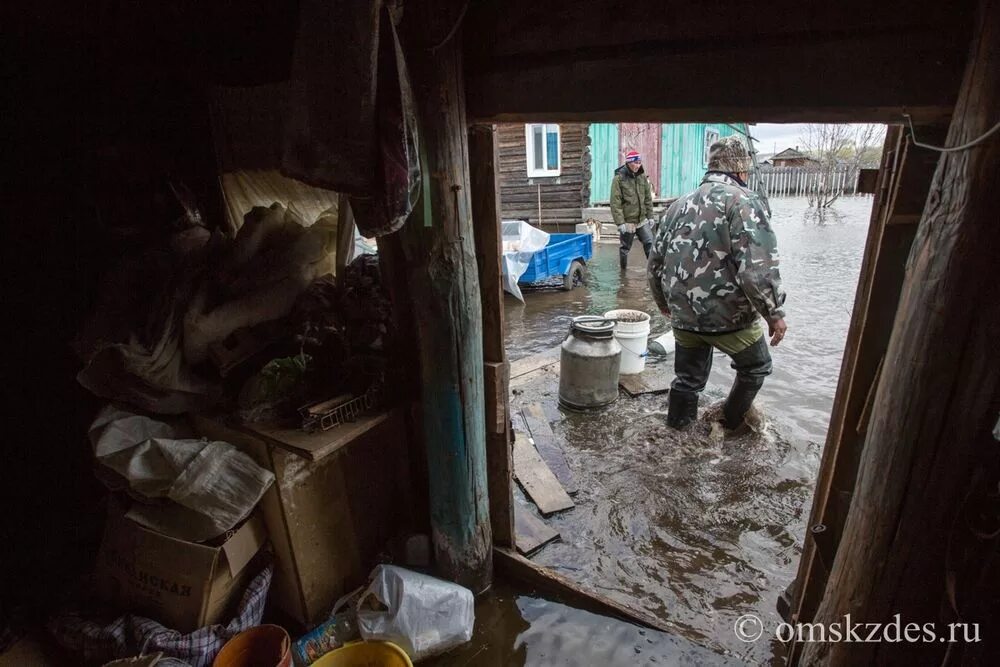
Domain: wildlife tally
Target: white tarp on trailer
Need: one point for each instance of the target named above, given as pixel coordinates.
(520, 241)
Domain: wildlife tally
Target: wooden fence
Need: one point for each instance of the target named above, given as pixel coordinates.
(801, 181)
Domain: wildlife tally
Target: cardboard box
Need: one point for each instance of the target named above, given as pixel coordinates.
(338, 498)
(183, 585)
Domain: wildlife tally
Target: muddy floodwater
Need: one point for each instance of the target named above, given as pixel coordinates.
(688, 528)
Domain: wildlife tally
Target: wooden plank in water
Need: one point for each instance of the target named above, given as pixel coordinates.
(537, 480)
(543, 373)
(639, 384)
(545, 442)
(514, 566)
(530, 532)
(535, 362)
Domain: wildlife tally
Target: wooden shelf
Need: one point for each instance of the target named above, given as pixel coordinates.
(315, 446)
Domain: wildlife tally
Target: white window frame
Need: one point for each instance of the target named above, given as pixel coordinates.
(709, 131)
(529, 149)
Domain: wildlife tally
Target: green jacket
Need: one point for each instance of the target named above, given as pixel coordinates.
(631, 196)
(714, 263)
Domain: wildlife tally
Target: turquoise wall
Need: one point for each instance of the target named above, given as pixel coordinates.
(681, 157)
(682, 163)
(603, 159)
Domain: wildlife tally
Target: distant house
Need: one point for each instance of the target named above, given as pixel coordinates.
(544, 173)
(550, 172)
(791, 157)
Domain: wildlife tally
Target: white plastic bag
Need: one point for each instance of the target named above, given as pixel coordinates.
(422, 615)
(520, 241)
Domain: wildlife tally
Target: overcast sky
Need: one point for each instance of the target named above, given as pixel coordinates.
(776, 137)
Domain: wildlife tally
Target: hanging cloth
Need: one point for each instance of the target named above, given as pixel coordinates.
(351, 124)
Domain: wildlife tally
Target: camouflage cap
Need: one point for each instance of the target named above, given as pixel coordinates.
(729, 154)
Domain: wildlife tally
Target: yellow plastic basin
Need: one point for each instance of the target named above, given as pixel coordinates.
(366, 654)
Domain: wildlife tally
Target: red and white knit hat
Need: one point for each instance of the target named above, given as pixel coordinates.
(633, 156)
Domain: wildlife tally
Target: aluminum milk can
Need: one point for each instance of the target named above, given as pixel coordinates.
(589, 364)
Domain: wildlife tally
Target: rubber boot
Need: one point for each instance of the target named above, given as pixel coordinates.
(752, 365)
(738, 403)
(682, 409)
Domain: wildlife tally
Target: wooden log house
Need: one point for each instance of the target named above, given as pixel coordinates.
(910, 457)
(542, 188)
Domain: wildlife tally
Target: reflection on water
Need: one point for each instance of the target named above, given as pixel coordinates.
(516, 628)
(692, 530)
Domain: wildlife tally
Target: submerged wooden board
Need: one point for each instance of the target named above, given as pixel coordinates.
(530, 532)
(545, 442)
(543, 373)
(639, 384)
(516, 567)
(535, 362)
(538, 481)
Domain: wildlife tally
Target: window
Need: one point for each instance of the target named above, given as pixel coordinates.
(711, 136)
(542, 149)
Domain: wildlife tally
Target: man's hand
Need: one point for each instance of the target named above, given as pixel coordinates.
(776, 330)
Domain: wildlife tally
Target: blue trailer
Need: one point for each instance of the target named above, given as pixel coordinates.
(562, 261)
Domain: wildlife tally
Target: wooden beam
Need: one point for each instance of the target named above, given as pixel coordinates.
(486, 231)
(444, 288)
(581, 27)
(499, 461)
(805, 62)
(879, 287)
(721, 113)
(515, 567)
(484, 180)
(916, 170)
(929, 447)
(904, 179)
(868, 334)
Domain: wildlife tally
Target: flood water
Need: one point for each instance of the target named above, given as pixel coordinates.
(693, 530)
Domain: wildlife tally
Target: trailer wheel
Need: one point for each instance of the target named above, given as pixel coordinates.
(575, 276)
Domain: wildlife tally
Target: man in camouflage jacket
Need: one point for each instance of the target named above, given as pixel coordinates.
(632, 206)
(713, 270)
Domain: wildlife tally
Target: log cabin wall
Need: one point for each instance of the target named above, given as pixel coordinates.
(562, 197)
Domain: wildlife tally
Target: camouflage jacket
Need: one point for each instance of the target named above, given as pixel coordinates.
(714, 263)
(631, 196)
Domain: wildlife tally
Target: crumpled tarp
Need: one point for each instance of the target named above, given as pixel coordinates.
(520, 242)
(364, 143)
(212, 485)
(272, 260)
(160, 311)
(128, 635)
(131, 344)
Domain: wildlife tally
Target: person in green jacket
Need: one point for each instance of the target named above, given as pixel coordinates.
(632, 206)
(714, 272)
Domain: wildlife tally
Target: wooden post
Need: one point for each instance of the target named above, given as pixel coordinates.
(930, 461)
(486, 223)
(444, 286)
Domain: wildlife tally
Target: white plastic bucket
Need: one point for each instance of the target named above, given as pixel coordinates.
(662, 345)
(632, 334)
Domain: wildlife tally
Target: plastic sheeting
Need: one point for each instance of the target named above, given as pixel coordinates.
(520, 242)
(212, 485)
(423, 615)
(272, 260)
